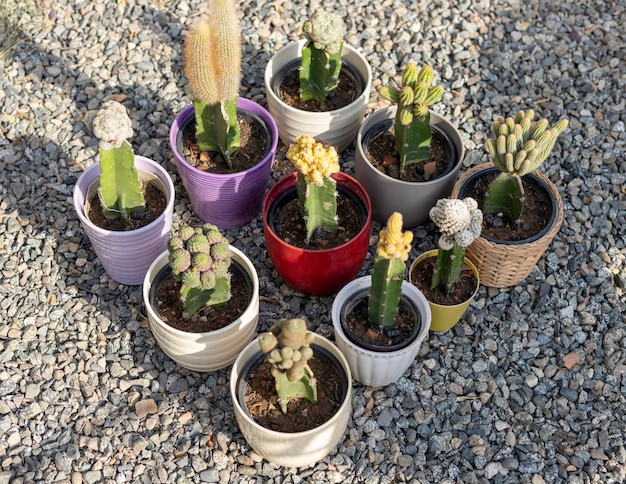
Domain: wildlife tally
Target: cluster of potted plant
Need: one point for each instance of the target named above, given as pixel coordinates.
(202, 294)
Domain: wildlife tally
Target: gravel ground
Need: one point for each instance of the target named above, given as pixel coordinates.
(530, 387)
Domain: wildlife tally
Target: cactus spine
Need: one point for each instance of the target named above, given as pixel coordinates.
(200, 260)
(388, 272)
(212, 52)
(317, 191)
(412, 124)
(287, 346)
(460, 222)
(519, 148)
(321, 56)
(120, 188)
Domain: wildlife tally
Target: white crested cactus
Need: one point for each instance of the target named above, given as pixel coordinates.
(460, 222)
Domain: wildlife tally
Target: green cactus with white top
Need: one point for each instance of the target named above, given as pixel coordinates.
(287, 346)
(519, 147)
(321, 56)
(200, 260)
(212, 54)
(388, 272)
(460, 222)
(120, 188)
(317, 190)
(412, 123)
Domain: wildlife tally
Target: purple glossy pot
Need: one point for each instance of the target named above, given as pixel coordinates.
(127, 255)
(226, 200)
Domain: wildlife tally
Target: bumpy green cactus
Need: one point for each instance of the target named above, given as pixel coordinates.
(412, 124)
(212, 53)
(519, 147)
(321, 56)
(460, 222)
(317, 191)
(388, 272)
(120, 188)
(200, 260)
(287, 347)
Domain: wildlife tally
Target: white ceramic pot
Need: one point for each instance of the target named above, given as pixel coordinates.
(211, 350)
(297, 449)
(338, 127)
(374, 368)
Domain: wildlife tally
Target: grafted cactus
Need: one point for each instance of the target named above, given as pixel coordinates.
(120, 188)
(317, 191)
(388, 272)
(287, 346)
(212, 54)
(460, 222)
(321, 56)
(412, 124)
(200, 260)
(519, 147)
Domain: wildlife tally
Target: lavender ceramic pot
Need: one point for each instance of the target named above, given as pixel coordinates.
(127, 255)
(226, 200)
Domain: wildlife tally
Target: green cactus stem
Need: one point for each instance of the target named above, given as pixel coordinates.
(412, 123)
(388, 272)
(120, 189)
(317, 190)
(321, 56)
(212, 52)
(200, 260)
(287, 346)
(460, 222)
(518, 148)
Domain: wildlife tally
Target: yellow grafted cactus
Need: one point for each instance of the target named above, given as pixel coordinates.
(392, 242)
(317, 191)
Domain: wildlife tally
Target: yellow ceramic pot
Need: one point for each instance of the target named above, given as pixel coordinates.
(446, 317)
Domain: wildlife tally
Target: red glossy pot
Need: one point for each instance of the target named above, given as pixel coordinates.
(318, 272)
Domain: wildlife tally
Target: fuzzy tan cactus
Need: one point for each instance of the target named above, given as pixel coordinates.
(212, 55)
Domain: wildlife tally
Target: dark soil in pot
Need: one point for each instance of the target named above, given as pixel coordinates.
(155, 204)
(362, 332)
(165, 298)
(286, 85)
(254, 145)
(538, 210)
(286, 221)
(421, 277)
(379, 145)
(257, 395)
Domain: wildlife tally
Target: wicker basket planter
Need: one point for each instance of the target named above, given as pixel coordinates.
(505, 263)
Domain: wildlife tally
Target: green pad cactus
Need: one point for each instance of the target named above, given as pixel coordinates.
(212, 52)
(460, 222)
(412, 124)
(200, 260)
(120, 188)
(317, 191)
(519, 148)
(321, 56)
(287, 346)
(388, 272)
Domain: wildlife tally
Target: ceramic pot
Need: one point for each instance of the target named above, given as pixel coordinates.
(226, 200)
(371, 367)
(317, 272)
(211, 350)
(412, 199)
(297, 449)
(506, 263)
(126, 255)
(446, 317)
(338, 127)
